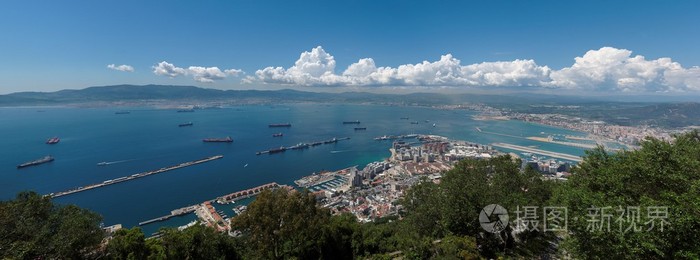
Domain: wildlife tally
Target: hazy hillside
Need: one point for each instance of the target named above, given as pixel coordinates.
(622, 113)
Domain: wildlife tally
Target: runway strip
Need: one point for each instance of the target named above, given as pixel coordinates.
(538, 151)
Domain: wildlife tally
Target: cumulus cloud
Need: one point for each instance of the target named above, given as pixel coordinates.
(604, 69)
(616, 69)
(167, 69)
(317, 67)
(123, 67)
(198, 73)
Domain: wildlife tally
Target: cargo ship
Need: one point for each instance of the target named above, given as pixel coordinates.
(53, 140)
(228, 139)
(360, 128)
(185, 110)
(186, 124)
(334, 140)
(277, 135)
(46, 159)
(280, 125)
(351, 122)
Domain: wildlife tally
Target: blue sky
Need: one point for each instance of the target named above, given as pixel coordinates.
(52, 45)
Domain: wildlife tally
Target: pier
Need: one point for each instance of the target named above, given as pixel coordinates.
(204, 207)
(538, 151)
(232, 197)
(132, 177)
(301, 146)
(174, 213)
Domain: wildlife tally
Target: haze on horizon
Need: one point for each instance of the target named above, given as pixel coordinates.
(591, 47)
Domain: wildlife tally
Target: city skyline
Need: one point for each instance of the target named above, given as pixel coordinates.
(591, 47)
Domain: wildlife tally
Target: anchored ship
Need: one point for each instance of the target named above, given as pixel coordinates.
(185, 124)
(277, 135)
(46, 159)
(280, 125)
(122, 112)
(360, 128)
(228, 139)
(351, 122)
(53, 140)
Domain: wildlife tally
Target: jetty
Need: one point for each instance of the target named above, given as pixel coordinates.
(174, 213)
(239, 195)
(132, 177)
(301, 145)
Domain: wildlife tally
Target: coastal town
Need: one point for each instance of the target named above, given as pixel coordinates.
(599, 131)
(375, 190)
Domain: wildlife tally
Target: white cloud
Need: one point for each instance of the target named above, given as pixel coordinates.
(607, 69)
(124, 67)
(198, 73)
(167, 69)
(316, 68)
(234, 72)
(617, 70)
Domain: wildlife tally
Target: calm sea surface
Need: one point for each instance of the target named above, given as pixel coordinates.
(148, 139)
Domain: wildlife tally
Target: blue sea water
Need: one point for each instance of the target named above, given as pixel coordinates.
(148, 139)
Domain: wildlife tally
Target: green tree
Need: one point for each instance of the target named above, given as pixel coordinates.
(452, 208)
(31, 226)
(283, 224)
(196, 242)
(127, 244)
(660, 174)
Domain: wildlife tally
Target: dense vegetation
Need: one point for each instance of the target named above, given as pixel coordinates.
(438, 220)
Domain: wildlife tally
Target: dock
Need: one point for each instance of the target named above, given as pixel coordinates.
(228, 198)
(239, 195)
(174, 213)
(132, 177)
(307, 145)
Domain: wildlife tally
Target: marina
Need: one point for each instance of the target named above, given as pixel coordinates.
(132, 177)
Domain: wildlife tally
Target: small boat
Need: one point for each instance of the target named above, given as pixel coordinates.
(434, 125)
(278, 135)
(186, 124)
(246, 165)
(53, 140)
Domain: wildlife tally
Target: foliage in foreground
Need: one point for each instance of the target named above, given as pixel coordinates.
(32, 227)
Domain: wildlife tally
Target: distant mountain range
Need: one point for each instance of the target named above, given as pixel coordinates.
(609, 109)
(133, 93)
